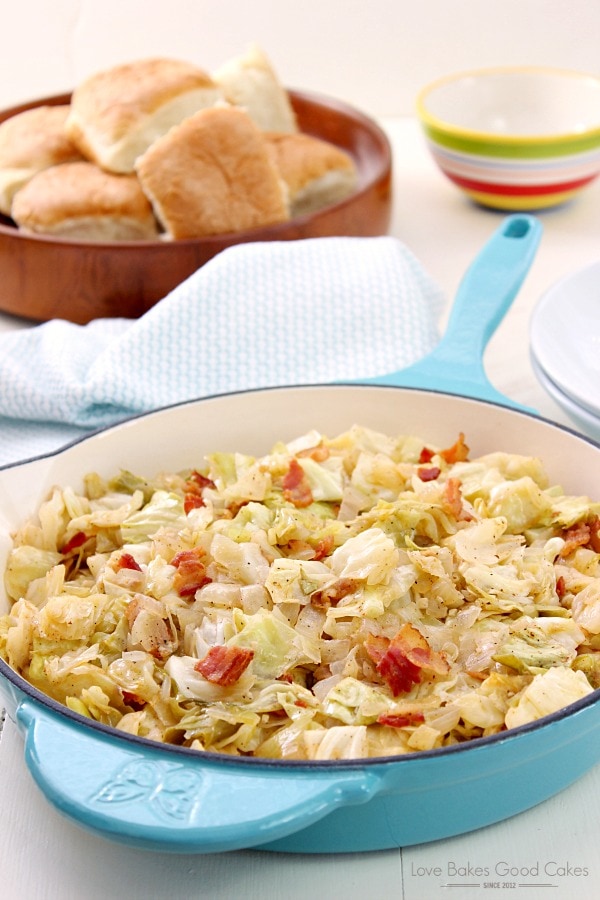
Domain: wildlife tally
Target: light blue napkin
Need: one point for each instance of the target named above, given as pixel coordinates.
(298, 312)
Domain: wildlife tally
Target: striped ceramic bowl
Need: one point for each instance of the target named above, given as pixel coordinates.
(515, 138)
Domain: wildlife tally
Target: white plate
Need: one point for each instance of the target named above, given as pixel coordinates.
(565, 336)
(586, 421)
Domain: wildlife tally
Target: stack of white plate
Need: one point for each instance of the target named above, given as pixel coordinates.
(565, 346)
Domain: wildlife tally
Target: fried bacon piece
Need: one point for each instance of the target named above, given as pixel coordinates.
(397, 670)
(426, 455)
(574, 537)
(194, 485)
(192, 500)
(400, 661)
(130, 574)
(453, 501)
(200, 481)
(126, 561)
(300, 549)
(595, 534)
(78, 540)
(296, 488)
(224, 665)
(324, 547)
(319, 453)
(429, 473)
(191, 572)
(132, 700)
(582, 534)
(401, 720)
(458, 452)
(452, 498)
(376, 646)
(331, 596)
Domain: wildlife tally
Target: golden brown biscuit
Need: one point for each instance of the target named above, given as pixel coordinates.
(316, 172)
(212, 174)
(29, 142)
(80, 201)
(250, 81)
(116, 114)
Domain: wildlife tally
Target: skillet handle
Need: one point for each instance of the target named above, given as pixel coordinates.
(155, 799)
(484, 296)
(489, 287)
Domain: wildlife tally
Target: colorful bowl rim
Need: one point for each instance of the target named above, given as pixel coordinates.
(437, 124)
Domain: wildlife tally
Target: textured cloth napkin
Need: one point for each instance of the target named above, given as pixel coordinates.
(281, 313)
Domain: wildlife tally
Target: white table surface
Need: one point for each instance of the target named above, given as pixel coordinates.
(552, 850)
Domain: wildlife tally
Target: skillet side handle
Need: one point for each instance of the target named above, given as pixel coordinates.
(156, 800)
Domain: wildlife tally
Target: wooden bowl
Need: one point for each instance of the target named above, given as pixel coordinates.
(45, 278)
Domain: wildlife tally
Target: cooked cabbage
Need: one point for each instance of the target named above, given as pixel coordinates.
(364, 595)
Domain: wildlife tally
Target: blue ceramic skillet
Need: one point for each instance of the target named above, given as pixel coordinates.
(161, 797)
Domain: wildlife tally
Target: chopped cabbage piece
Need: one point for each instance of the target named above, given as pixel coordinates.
(356, 703)
(165, 509)
(548, 692)
(25, 565)
(370, 556)
(276, 645)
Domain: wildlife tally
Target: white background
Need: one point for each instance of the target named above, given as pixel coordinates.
(376, 54)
